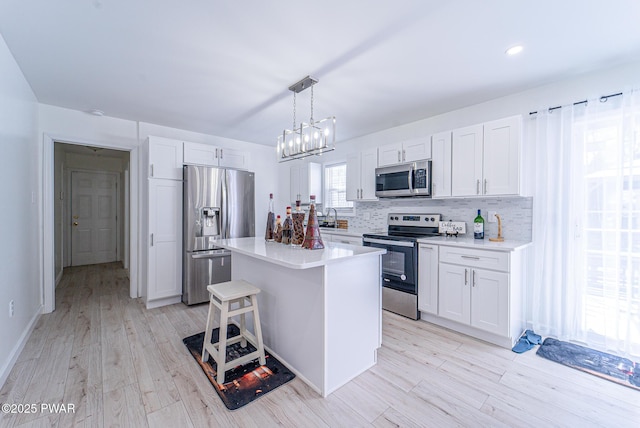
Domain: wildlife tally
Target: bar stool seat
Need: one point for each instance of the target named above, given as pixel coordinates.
(224, 296)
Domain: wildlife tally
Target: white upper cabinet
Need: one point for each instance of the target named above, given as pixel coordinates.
(165, 158)
(501, 162)
(416, 149)
(390, 154)
(406, 151)
(205, 154)
(441, 165)
(306, 180)
(361, 175)
(466, 161)
(485, 159)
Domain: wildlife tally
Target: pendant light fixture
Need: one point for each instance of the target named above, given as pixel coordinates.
(306, 139)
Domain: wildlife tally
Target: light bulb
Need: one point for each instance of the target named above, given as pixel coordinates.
(315, 135)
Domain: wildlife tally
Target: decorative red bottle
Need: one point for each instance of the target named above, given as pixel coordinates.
(312, 238)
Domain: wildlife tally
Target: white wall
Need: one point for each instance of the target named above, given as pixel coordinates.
(20, 214)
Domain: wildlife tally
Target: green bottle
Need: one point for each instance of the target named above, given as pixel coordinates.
(478, 227)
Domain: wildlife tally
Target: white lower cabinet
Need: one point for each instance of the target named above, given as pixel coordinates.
(164, 269)
(328, 236)
(476, 292)
(475, 296)
(428, 278)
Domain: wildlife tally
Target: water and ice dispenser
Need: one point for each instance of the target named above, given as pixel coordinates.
(210, 221)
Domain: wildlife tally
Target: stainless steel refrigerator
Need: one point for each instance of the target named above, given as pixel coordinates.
(218, 204)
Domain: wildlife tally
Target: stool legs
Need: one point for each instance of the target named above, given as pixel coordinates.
(222, 342)
(208, 331)
(258, 330)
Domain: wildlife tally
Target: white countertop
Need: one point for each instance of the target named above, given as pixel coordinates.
(296, 257)
(352, 231)
(480, 244)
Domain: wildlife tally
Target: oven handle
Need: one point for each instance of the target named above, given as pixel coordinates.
(388, 243)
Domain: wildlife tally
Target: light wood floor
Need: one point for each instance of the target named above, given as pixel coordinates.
(123, 365)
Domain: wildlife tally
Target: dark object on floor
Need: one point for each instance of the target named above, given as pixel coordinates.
(607, 366)
(243, 383)
(534, 339)
(526, 341)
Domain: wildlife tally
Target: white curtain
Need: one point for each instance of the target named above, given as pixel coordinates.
(586, 276)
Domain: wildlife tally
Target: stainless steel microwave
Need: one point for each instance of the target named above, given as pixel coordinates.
(407, 179)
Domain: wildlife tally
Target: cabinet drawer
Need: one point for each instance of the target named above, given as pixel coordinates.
(495, 260)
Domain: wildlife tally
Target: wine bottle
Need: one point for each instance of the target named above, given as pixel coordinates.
(287, 228)
(478, 227)
(298, 226)
(277, 235)
(271, 221)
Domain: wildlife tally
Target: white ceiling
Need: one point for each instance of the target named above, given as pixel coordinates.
(223, 67)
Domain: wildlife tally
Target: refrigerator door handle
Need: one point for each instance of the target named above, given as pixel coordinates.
(224, 231)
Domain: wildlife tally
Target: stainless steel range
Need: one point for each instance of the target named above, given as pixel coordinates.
(400, 263)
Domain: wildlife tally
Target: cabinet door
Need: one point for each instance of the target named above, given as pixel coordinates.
(200, 154)
(428, 278)
(390, 154)
(501, 165)
(368, 164)
(441, 165)
(313, 183)
(353, 177)
(165, 158)
(454, 293)
(232, 158)
(490, 301)
(466, 161)
(416, 149)
(165, 244)
(294, 184)
(351, 240)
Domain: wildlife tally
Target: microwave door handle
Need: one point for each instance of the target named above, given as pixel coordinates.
(410, 177)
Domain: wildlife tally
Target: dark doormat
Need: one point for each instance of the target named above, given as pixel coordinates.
(243, 384)
(607, 366)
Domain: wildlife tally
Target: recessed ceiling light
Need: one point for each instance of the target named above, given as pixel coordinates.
(96, 112)
(514, 50)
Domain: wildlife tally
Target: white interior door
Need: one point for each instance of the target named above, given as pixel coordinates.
(93, 220)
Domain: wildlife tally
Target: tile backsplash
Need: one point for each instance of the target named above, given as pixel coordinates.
(516, 213)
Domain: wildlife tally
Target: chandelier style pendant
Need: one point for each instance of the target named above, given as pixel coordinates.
(307, 139)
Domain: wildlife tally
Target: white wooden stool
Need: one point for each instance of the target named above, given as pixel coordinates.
(223, 296)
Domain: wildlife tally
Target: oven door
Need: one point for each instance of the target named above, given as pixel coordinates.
(399, 264)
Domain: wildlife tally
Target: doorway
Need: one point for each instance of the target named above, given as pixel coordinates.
(60, 158)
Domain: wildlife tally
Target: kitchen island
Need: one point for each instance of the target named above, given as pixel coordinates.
(320, 310)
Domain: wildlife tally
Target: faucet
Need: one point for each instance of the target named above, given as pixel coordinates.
(335, 217)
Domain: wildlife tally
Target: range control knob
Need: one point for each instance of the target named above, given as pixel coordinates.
(433, 219)
(396, 217)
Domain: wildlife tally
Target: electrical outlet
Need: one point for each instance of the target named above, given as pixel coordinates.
(11, 308)
(492, 217)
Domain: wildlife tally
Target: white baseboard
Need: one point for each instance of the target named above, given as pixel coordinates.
(15, 352)
(59, 277)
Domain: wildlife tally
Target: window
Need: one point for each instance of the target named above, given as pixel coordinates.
(335, 188)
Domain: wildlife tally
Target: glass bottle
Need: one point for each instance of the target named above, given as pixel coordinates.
(277, 236)
(478, 227)
(312, 238)
(287, 228)
(271, 221)
(298, 226)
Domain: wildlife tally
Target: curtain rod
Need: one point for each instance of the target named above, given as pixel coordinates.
(603, 99)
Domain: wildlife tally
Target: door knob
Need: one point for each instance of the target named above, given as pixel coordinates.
(75, 223)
